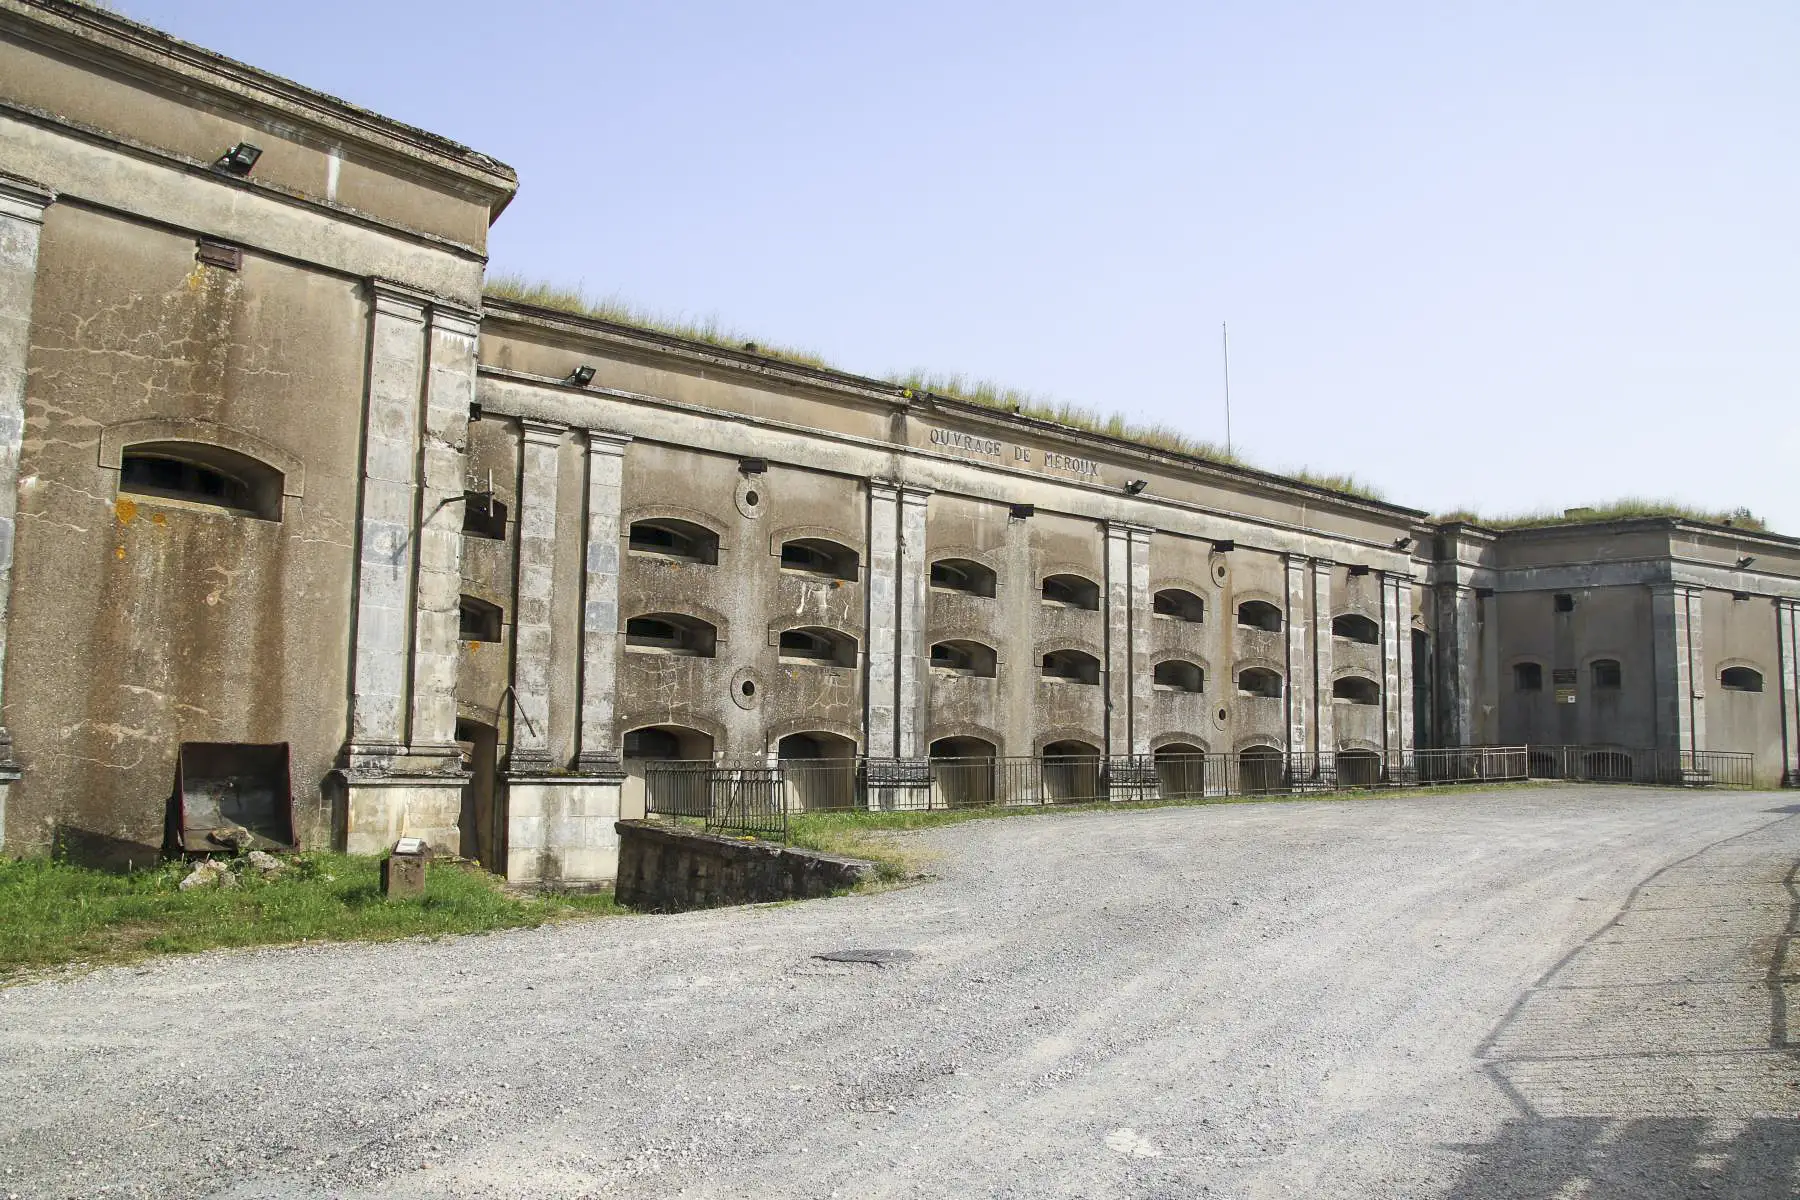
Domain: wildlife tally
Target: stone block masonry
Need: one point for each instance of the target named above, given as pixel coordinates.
(667, 868)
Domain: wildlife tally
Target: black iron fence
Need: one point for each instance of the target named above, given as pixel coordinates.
(1612, 764)
(758, 797)
(730, 798)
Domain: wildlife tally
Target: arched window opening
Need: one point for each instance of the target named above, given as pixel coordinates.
(1072, 591)
(1071, 666)
(1181, 771)
(671, 633)
(818, 771)
(1178, 605)
(479, 621)
(668, 743)
(1176, 675)
(1071, 773)
(1356, 628)
(816, 556)
(1258, 681)
(964, 658)
(1356, 689)
(817, 647)
(669, 538)
(484, 516)
(1259, 614)
(1741, 679)
(962, 575)
(201, 473)
(1606, 675)
(962, 772)
(1260, 770)
(1358, 768)
(1528, 677)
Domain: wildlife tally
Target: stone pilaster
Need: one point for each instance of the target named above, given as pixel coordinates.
(1117, 602)
(1396, 627)
(391, 422)
(540, 456)
(1324, 728)
(913, 656)
(896, 691)
(1787, 642)
(881, 588)
(22, 207)
(404, 773)
(1142, 670)
(443, 474)
(1459, 650)
(599, 741)
(1680, 667)
(1299, 656)
(1403, 610)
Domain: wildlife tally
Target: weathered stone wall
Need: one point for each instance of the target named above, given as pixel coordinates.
(665, 868)
(181, 622)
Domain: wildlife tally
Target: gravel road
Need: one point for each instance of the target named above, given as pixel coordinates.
(1552, 992)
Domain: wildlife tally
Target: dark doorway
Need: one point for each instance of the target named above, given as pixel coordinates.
(483, 819)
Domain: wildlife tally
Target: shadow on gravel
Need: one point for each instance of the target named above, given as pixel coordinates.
(1654, 1158)
(1643, 1065)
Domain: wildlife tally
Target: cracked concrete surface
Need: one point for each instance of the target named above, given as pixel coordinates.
(1547, 992)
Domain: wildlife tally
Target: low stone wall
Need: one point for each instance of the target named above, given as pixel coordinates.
(671, 868)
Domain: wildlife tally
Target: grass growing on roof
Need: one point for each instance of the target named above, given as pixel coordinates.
(985, 392)
(53, 912)
(990, 394)
(1616, 510)
(509, 286)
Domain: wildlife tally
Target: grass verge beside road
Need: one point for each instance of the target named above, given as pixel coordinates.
(53, 913)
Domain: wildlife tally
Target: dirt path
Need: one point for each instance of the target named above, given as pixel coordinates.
(1518, 994)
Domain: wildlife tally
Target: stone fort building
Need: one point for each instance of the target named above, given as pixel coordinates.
(282, 492)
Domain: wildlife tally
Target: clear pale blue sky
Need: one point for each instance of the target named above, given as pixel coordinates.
(1507, 256)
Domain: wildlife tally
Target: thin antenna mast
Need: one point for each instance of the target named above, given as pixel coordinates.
(1225, 341)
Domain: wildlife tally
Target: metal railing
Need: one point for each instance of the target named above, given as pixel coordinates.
(759, 797)
(1666, 768)
(731, 798)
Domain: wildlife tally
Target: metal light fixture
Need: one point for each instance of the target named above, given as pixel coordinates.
(1403, 543)
(1224, 547)
(753, 466)
(1358, 569)
(1022, 512)
(1134, 486)
(581, 376)
(1745, 561)
(240, 158)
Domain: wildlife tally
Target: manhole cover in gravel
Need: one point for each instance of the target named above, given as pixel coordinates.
(880, 958)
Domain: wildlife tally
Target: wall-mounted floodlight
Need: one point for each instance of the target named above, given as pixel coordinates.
(1134, 486)
(1224, 547)
(753, 466)
(1745, 561)
(581, 376)
(1023, 512)
(1403, 543)
(1359, 569)
(239, 159)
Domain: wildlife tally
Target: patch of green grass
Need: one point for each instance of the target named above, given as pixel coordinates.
(990, 394)
(52, 913)
(1348, 484)
(984, 392)
(1615, 510)
(506, 286)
